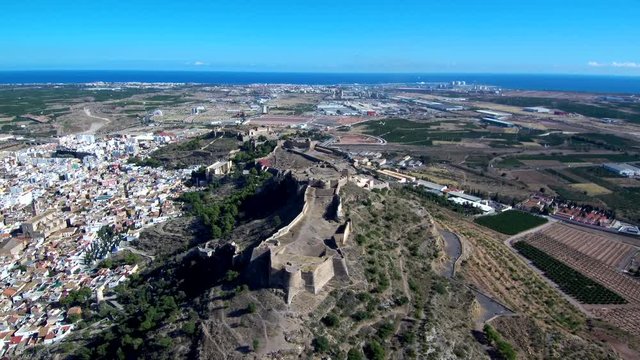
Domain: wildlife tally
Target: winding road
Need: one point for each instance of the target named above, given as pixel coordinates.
(491, 308)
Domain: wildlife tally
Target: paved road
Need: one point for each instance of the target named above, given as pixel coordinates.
(453, 248)
(490, 308)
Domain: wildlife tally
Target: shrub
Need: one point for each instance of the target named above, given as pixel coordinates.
(361, 315)
(355, 354)
(374, 351)
(386, 330)
(321, 344)
(331, 320)
(231, 276)
(189, 327)
(251, 308)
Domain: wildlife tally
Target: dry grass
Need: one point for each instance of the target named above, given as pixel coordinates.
(591, 189)
(497, 270)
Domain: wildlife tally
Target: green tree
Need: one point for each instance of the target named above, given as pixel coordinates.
(76, 297)
(164, 342)
(106, 264)
(386, 330)
(321, 344)
(83, 353)
(73, 318)
(374, 351)
(331, 320)
(355, 354)
(189, 328)
(506, 350)
(251, 308)
(231, 276)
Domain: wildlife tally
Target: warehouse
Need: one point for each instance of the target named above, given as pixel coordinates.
(494, 114)
(622, 169)
(432, 186)
(499, 123)
(537, 109)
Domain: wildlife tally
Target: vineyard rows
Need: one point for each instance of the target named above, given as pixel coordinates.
(608, 251)
(594, 269)
(570, 281)
(626, 318)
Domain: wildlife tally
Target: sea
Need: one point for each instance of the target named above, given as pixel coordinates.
(572, 83)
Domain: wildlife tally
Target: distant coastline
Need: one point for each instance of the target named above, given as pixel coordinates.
(571, 83)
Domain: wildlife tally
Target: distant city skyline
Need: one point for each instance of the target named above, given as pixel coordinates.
(500, 36)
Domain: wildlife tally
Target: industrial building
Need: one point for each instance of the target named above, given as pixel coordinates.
(439, 106)
(334, 109)
(537, 109)
(494, 114)
(432, 186)
(497, 122)
(622, 169)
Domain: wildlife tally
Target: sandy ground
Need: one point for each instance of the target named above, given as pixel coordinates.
(95, 126)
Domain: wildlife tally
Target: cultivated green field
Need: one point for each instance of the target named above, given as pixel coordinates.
(511, 222)
(402, 131)
(587, 157)
(52, 100)
(619, 111)
(569, 280)
(509, 163)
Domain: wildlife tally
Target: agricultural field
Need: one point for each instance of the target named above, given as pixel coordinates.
(511, 222)
(625, 317)
(52, 100)
(598, 246)
(402, 131)
(595, 269)
(599, 111)
(590, 189)
(570, 281)
(582, 158)
(496, 269)
(567, 193)
(603, 141)
(591, 184)
(623, 199)
(509, 163)
(562, 175)
(598, 259)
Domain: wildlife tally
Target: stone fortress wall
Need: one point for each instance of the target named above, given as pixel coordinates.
(296, 260)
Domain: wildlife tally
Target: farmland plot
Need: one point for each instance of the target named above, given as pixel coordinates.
(570, 281)
(599, 247)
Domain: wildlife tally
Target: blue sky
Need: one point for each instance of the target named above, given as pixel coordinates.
(512, 36)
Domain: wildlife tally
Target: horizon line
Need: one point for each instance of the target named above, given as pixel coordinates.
(200, 70)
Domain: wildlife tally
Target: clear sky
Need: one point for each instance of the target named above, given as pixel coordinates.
(512, 36)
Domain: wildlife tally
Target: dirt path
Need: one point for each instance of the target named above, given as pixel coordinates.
(403, 275)
(139, 252)
(95, 126)
(510, 240)
(211, 142)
